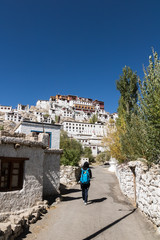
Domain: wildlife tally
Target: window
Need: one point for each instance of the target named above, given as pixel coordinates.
(11, 173)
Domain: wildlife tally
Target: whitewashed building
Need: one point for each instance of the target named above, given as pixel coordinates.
(24, 108)
(77, 108)
(88, 134)
(5, 108)
(13, 116)
(53, 131)
(29, 173)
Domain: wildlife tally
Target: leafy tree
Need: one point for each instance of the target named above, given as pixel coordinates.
(112, 140)
(150, 108)
(117, 137)
(103, 157)
(72, 150)
(137, 131)
(57, 119)
(94, 119)
(128, 87)
(1, 127)
(87, 153)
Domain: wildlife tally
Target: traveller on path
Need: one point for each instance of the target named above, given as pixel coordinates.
(84, 177)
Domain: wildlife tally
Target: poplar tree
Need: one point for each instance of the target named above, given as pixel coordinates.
(128, 88)
(149, 102)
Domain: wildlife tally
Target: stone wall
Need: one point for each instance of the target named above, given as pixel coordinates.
(126, 180)
(19, 221)
(145, 191)
(20, 208)
(51, 176)
(69, 175)
(40, 175)
(31, 192)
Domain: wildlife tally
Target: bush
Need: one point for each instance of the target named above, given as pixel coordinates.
(103, 157)
(72, 150)
(87, 153)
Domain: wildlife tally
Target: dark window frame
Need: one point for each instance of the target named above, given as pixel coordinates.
(11, 173)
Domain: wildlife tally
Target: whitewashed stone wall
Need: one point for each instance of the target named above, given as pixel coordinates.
(33, 176)
(69, 175)
(147, 183)
(51, 176)
(20, 208)
(41, 173)
(125, 177)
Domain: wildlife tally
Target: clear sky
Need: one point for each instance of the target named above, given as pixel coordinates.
(76, 47)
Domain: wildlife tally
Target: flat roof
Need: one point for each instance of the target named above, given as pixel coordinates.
(41, 123)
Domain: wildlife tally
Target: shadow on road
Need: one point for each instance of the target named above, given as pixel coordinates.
(64, 190)
(98, 200)
(108, 226)
(70, 198)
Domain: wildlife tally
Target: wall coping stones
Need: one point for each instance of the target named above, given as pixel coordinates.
(21, 141)
(57, 151)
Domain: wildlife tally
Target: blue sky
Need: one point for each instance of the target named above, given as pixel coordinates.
(76, 47)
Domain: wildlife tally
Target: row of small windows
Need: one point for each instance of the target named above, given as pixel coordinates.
(84, 107)
(80, 125)
(76, 128)
(6, 108)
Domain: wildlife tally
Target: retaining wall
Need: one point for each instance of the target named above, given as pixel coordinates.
(69, 175)
(145, 191)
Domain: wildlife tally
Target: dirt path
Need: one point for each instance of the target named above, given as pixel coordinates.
(108, 215)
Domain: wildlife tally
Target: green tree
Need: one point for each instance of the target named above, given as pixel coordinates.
(103, 157)
(137, 133)
(94, 119)
(117, 138)
(128, 88)
(72, 150)
(87, 153)
(1, 127)
(150, 108)
(57, 119)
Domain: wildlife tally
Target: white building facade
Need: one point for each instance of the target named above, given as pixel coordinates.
(53, 131)
(88, 134)
(5, 108)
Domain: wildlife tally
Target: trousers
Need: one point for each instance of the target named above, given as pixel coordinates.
(85, 188)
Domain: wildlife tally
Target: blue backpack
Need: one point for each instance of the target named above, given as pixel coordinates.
(85, 176)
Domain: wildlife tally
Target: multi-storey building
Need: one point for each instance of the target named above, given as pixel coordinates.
(72, 111)
(13, 116)
(90, 135)
(77, 108)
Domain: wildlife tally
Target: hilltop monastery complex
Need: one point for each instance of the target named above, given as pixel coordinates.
(73, 113)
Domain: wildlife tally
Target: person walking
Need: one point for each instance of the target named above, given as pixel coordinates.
(85, 176)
